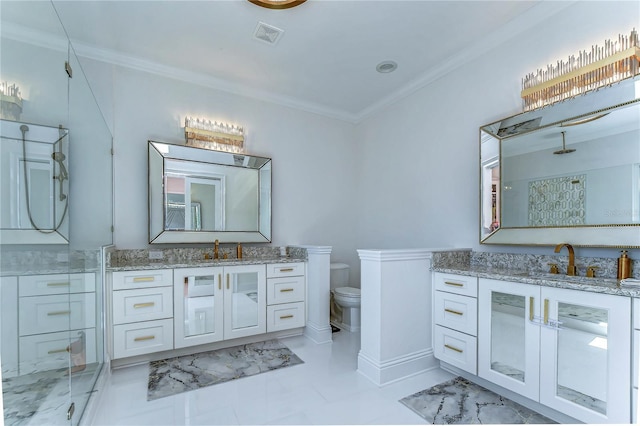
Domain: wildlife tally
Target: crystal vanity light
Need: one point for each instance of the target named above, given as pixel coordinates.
(218, 136)
(603, 66)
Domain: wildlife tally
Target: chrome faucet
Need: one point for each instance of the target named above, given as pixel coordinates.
(571, 266)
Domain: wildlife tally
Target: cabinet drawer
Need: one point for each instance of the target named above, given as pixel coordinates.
(457, 312)
(125, 280)
(459, 284)
(275, 270)
(46, 314)
(455, 348)
(285, 290)
(35, 285)
(144, 304)
(142, 338)
(49, 351)
(285, 316)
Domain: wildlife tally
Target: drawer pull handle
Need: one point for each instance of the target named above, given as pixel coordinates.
(454, 284)
(286, 316)
(58, 313)
(142, 338)
(284, 290)
(286, 269)
(451, 311)
(453, 348)
(67, 284)
(143, 279)
(57, 351)
(144, 305)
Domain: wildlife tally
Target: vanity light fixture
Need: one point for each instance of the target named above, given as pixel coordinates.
(10, 101)
(277, 4)
(202, 133)
(603, 66)
(386, 67)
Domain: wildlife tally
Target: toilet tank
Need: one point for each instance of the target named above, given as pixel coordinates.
(339, 275)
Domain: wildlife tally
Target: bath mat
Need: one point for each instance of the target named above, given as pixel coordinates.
(180, 374)
(459, 401)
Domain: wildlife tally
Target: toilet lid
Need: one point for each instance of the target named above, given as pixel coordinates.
(348, 291)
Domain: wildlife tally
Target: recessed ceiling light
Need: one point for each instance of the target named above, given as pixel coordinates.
(386, 66)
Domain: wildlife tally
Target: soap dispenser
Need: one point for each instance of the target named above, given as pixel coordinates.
(624, 266)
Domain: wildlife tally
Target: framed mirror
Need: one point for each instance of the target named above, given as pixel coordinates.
(569, 172)
(199, 196)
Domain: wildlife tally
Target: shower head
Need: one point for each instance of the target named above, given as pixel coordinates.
(59, 158)
(564, 149)
(24, 129)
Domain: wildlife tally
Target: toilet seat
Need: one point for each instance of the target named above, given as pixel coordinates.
(347, 292)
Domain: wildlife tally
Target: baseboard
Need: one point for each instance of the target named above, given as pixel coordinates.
(396, 369)
(526, 402)
(318, 334)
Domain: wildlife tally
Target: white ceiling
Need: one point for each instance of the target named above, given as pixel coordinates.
(325, 60)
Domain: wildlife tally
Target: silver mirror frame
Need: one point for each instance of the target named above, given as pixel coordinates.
(616, 236)
(159, 153)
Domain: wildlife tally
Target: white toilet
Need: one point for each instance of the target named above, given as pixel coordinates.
(345, 300)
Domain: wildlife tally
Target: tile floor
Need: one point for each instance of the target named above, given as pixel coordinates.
(326, 389)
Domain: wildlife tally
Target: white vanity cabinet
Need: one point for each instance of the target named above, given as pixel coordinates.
(455, 318)
(568, 349)
(635, 367)
(141, 312)
(286, 289)
(216, 303)
(55, 310)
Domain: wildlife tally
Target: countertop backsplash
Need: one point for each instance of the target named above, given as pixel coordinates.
(531, 263)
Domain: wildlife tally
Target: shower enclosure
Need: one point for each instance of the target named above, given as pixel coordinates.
(55, 220)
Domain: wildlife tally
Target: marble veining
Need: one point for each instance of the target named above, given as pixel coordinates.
(459, 401)
(43, 398)
(180, 374)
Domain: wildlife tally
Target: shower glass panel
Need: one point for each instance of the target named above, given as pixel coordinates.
(55, 217)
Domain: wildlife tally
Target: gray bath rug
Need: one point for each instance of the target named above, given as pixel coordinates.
(180, 374)
(459, 401)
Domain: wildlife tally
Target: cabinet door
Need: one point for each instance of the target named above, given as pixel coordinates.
(586, 355)
(244, 301)
(508, 336)
(198, 306)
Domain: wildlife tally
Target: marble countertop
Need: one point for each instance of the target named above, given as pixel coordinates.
(136, 266)
(594, 285)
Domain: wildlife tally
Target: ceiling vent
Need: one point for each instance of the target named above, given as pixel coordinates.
(268, 33)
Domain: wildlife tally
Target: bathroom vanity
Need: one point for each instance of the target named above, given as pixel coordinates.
(562, 342)
(159, 311)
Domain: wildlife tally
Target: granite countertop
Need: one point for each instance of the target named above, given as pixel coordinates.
(151, 264)
(594, 285)
(46, 270)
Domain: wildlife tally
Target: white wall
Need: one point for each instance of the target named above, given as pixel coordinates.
(404, 177)
(419, 177)
(313, 157)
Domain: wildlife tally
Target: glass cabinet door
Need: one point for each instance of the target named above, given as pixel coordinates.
(198, 306)
(508, 336)
(585, 350)
(245, 300)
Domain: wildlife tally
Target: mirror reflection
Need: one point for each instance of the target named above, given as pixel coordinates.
(198, 195)
(549, 177)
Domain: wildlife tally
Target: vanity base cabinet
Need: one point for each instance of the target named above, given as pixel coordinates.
(456, 320)
(568, 349)
(141, 312)
(286, 288)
